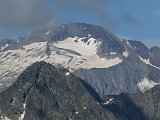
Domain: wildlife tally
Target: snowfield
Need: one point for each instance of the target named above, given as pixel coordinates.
(78, 45)
(83, 55)
(147, 62)
(146, 84)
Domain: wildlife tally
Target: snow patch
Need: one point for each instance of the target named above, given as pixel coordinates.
(77, 112)
(4, 118)
(146, 61)
(128, 43)
(3, 47)
(23, 114)
(79, 46)
(107, 102)
(47, 33)
(89, 35)
(34, 52)
(113, 53)
(125, 54)
(97, 62)
(146, 84)
(67, 73)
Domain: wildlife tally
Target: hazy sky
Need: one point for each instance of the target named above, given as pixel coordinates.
(131, 19)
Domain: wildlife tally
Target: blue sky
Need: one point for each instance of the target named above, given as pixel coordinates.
(131, 19)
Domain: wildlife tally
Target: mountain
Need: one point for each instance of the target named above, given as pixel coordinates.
(109, 64)
(142, 106)
(155, 56)
(43, 92)
(130, 76)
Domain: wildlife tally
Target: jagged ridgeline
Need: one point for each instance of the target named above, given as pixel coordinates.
(43, 92)
(109, 64)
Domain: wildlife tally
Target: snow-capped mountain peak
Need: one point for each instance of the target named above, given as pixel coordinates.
(88, 51)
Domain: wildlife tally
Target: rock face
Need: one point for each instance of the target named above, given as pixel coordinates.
(73, 46)
(155, 56)
(138, 106)
(111, 43)
(109, 64)
(43, 92)
(126, 77)
(139, 48)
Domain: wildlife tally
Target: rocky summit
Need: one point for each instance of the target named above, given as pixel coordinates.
(44, 92)
(142, 106)
(111, 65)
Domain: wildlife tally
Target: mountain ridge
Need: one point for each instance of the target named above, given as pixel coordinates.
(82, 46)
(44, 92)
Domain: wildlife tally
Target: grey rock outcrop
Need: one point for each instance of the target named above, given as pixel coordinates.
(142, 106)
(122, 78)
(155, 56)
(43, 92)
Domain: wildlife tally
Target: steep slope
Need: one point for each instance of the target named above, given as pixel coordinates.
(43, 92)
(74, 46)
(88, 51)
(155, 56)
(130, 76)
(139, 48)
(140, 106)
